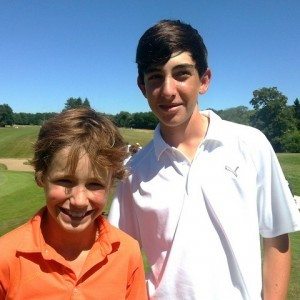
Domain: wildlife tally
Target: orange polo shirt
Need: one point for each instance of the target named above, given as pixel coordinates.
(31, 269)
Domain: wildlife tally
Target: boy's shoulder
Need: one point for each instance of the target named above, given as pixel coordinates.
(143, 156)
(241, 133)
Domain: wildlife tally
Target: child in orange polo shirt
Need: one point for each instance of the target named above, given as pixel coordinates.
(68, 250)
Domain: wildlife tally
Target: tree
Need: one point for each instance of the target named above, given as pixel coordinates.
(144, 120)
(6, 115)
(296, 108)
(291, 142)
(86, 103)
(122, 119)
(76, 102)
(239, 114)
(271, 115)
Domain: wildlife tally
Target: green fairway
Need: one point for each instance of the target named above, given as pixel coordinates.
(17, 142)
(290, 163)
(141, 136)
(20, 197)
(294, 288)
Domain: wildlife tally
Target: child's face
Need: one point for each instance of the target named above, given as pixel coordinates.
(74, 201)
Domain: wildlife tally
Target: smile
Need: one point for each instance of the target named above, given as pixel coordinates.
(76, 214)
(169, 106)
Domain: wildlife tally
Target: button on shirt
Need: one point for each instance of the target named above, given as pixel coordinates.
(31, 269)
(200, 222)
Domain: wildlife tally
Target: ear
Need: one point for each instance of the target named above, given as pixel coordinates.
(205, 81)
(141, 86)
(39, 178)
(110, 181)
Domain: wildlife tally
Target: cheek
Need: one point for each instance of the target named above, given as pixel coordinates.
(99, 198)
(152, 92)
(56, 193)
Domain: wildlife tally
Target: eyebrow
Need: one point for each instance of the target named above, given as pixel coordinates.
(180, 66)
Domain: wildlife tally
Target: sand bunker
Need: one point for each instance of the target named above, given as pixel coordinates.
(15, 164)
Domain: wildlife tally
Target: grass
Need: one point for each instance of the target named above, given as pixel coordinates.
(141, 136)
(26, 136)
(294, 287)
(17, 142)
(20, 197)
(290, 163)
(3, 167)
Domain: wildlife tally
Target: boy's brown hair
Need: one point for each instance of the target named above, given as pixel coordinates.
(82, 130)
(168, 37)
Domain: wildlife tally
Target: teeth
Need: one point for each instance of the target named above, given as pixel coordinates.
(76, 214)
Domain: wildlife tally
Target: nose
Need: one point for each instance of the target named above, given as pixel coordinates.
(169, 87)
(79, 196)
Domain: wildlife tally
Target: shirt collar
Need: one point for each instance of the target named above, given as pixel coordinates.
(215, 133)
(215, 129)
(159, 144)
(33, 240)
(107, 237)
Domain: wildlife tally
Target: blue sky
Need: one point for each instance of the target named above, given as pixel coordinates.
(53, 50)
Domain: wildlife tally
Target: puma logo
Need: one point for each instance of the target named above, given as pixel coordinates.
(234, 172)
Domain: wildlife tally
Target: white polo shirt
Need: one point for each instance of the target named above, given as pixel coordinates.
(200, 223)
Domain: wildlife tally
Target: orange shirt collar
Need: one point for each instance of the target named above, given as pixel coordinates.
(33, 240)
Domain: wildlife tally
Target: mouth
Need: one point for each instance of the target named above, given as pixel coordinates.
(77, 215)
(169, 107)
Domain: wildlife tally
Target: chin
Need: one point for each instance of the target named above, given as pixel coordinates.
(76, 227)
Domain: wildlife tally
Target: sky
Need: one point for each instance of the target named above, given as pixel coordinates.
(51, 50)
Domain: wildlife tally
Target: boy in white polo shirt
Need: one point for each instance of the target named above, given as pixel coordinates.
(204, 190)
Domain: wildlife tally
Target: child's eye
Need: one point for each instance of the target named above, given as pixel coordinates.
(64, 182)
(94, 186)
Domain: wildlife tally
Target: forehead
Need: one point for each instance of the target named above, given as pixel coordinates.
(177, 60)
(61, 163)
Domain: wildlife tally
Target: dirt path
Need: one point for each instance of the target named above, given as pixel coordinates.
(15, 164)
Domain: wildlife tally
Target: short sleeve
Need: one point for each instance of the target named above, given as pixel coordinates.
(122, 212)
(136, 286)
(277, 210)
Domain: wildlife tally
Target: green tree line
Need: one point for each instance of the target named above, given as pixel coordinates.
(271, 114)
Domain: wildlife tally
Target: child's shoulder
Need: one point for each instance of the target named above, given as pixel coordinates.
(125, 240)
(14, 234)
(10, 241)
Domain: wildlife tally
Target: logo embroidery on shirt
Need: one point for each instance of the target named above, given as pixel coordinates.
(234, 172)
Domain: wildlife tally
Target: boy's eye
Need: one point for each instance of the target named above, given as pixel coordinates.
(94, 186)
(153, 76)
(64, 182)
(182, 75)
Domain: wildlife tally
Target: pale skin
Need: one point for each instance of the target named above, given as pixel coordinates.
(74, 201)
(172, 92)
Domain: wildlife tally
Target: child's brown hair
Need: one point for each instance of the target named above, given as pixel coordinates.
(82, 130)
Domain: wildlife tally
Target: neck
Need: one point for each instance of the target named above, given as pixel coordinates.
(68, 244)
(187, 136)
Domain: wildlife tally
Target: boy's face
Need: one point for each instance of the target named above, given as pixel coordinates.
(74, 201)
(172, 89)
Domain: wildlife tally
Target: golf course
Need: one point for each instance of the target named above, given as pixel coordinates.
(20, 197)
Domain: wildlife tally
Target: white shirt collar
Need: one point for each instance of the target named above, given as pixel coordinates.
(214, 132)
